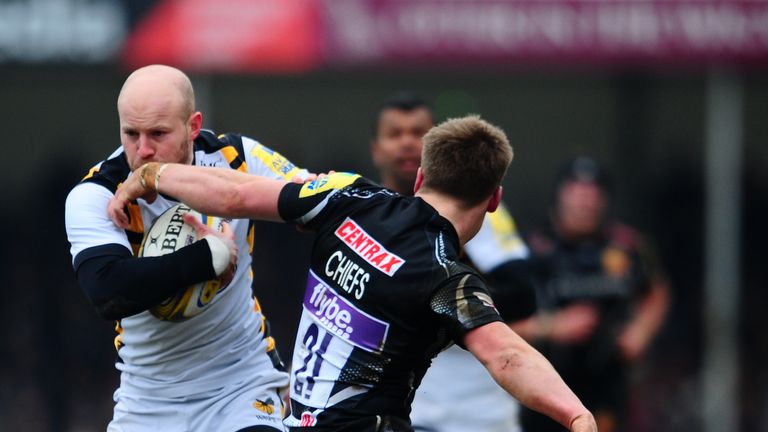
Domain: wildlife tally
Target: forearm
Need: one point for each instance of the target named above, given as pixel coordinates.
(651, 311)
(119, 285)
(526, 374)
(220, 192)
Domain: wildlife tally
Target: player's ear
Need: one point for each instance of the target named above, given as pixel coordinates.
(493, 203)
(195, 123)
(419, 180)
(375, 153)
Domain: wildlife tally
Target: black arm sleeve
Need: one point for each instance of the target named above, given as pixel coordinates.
(462, 303)
(119, 285)
(512, 290)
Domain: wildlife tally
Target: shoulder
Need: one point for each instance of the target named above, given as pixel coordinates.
(212, 150)
(325, 199)
(110, 172)
(248, 155)
(335, 181)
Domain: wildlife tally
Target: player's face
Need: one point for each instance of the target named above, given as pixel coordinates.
(581, 207)
(156, 133)
(396, 150)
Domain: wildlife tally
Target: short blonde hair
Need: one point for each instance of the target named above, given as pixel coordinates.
(465, 158)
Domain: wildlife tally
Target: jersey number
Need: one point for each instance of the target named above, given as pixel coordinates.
(312, 336)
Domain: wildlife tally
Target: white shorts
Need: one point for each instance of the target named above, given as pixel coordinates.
(226, 410)
(458, 395)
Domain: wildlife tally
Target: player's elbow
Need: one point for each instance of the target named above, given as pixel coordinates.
(112, 306)
(496, 346)
(109, 311)
(104, 289)
(505, 359)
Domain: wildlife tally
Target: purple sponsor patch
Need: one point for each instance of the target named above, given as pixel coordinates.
(340, 317)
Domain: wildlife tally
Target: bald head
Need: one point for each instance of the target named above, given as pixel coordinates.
(158, 87)
(158, 121)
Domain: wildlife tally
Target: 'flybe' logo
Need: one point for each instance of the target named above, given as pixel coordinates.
(368, 248)
(342, 317)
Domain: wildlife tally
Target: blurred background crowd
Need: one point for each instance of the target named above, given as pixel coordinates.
(671, 96)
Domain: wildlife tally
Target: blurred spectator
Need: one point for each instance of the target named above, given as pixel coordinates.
(601, 293)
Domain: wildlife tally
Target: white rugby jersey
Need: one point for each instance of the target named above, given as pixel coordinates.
(226, 343)
(455, 374)
(497, 242)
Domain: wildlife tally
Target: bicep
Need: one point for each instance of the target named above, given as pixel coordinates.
(86, 220)
(488, 341)
(462, 304)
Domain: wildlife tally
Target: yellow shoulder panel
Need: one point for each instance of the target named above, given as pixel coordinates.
(329, 182)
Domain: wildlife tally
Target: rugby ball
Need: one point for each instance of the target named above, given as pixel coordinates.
(168, 234)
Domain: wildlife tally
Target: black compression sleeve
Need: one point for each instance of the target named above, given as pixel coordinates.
(462, 303)
(512, 290)
(119, 285)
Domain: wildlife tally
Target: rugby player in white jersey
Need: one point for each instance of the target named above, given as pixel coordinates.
(214, 371)
(385, 290)
(497, 251)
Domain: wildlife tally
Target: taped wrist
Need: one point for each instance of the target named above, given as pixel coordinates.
(220, 255)
(150, 175)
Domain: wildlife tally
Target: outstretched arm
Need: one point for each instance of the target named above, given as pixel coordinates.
(639, 333)
(527, 375)
(219, 192)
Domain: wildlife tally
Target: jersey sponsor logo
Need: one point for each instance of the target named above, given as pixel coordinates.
(347, 274)
(267, 406)
(275, 161)
(210, 160)
(368, 248)
(340, 317)
(326, 183)
(307, 419)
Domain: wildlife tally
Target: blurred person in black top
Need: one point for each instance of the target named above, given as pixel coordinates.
(601, 293)
(498, 252)
(385, 290)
